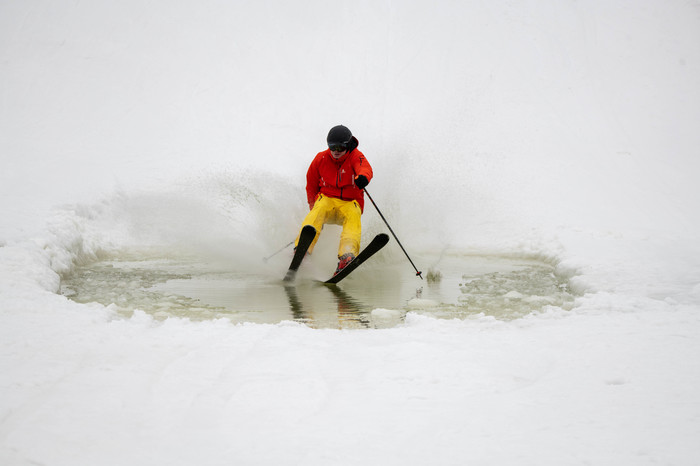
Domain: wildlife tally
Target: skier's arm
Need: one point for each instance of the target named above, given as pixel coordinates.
(312, 189)
(363, 172)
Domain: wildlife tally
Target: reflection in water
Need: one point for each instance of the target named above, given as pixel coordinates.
(294, 303)
(350, 312)
(349, 309)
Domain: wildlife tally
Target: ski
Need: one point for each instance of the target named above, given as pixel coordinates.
(305, 238)
(375, 245)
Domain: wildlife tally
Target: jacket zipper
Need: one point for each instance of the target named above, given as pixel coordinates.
(337, 179)
(337, 182)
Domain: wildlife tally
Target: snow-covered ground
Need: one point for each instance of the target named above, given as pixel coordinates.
(564, 131)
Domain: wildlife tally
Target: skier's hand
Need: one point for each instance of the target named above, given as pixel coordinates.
(361, 181)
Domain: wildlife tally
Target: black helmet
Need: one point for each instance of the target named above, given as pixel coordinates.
(339, 135)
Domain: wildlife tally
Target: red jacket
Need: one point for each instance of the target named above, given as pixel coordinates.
(336, 178)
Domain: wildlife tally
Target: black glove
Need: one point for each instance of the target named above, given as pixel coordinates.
(361, 181)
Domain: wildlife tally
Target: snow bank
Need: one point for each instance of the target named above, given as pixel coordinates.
(593, 385)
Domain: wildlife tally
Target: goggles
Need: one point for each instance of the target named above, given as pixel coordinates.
(338, 147)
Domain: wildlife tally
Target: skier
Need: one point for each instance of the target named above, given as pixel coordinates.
(334, 189)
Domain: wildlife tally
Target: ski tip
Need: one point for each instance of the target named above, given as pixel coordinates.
(308, 229)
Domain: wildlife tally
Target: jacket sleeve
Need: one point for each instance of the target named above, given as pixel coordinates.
(362, 167)
(312, 180)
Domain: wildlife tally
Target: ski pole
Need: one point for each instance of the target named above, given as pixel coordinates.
(418, 273)
(265, 259)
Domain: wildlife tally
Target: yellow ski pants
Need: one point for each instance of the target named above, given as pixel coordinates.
(336, 212)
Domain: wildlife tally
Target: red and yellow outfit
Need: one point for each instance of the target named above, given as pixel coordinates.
(334, 198)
